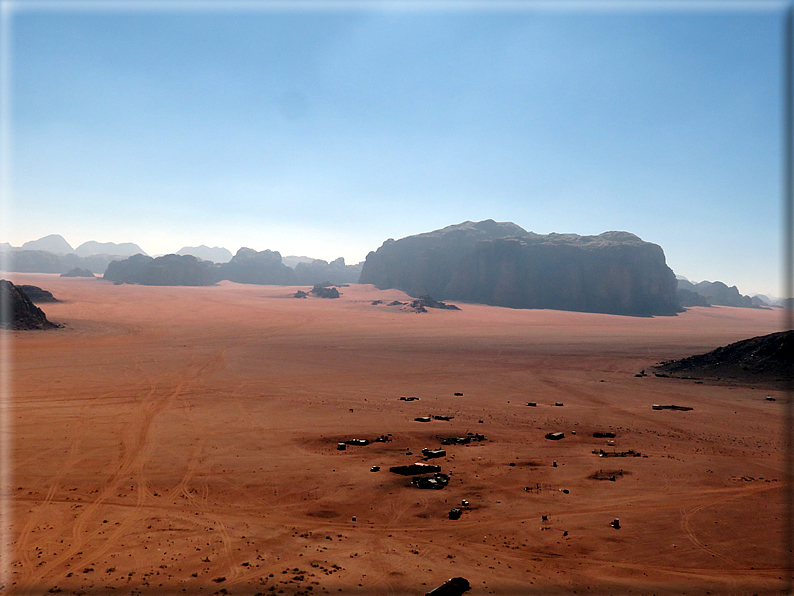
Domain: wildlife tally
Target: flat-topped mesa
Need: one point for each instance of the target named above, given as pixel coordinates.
(503, 265)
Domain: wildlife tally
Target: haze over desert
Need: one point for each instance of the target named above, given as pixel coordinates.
(184, 440)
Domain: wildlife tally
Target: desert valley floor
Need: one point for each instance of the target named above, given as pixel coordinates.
(175, 440)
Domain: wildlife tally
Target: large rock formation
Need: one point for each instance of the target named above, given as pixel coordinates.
(37, 295)
(17, 311)
(54, 243)
(92, 247)
(251, 267)
(764, 360)
(714, 293)
(168, 270)
(503, 265)
(319, 271)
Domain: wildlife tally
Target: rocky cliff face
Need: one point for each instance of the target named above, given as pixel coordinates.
(503, 265)
(424, 264)
(17, 311)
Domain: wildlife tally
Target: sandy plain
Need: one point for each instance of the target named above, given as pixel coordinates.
(183, 441)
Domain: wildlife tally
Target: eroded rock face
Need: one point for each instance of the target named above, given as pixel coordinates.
(17, 311)
(503, 265)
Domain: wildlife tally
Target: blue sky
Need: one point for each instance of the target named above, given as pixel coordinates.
(325, 131)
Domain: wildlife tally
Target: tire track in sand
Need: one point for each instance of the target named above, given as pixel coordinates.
(136, 449)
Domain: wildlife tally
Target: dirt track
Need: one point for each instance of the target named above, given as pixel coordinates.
(170, 437)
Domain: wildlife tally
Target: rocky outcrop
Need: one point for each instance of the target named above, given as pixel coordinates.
(763, 360)
(319, 271)
(37, 295)
(168, 270)
(422, 303)
(251, 267)
(77, 272)
(17, 310)
(716, 293)
(325, 291)
(92, 247)
(503, 265)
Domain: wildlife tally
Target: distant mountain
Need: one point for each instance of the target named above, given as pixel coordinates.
(168, 270)
(215, 254)
(42, 261)
(251, 267)
(53, 243)
(125, 249)
(715, 293)
(292, 260)
(319, 271)
(247, 266)
(504, 265)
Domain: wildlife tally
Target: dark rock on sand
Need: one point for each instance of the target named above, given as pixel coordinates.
(168, 270)
(766, 360)
(37, 295)
(17, 311)
(77, 272)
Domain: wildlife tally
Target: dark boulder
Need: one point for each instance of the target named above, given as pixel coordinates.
(457, 586)
(325, 291)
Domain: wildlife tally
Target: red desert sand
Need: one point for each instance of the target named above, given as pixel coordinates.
(179, 440)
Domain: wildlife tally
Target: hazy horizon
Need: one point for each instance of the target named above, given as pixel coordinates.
(325, 129)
